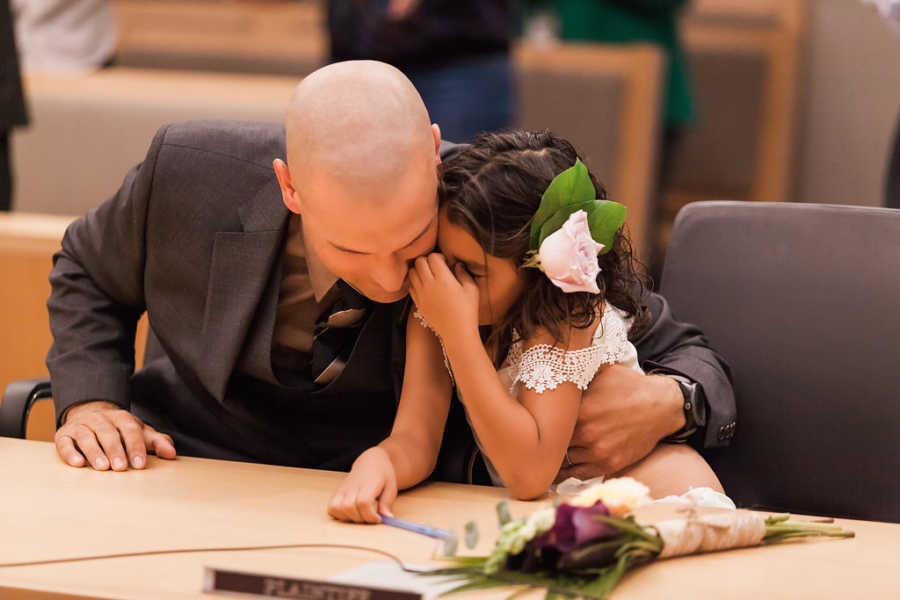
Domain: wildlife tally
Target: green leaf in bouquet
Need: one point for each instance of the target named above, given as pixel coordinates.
(603, 585)
(779, 528)
(503, 513)
(572, 186)
(451, 544)
(471, 561)
(476, 583)
(471, 535)
(593, 555)
(630, 527)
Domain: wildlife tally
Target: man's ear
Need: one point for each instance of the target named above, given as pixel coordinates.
(288, 193)
(436, 132)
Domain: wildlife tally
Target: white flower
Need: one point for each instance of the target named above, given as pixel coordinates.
(542, 520)
(621, 496)
(515, 534)
(569, 256)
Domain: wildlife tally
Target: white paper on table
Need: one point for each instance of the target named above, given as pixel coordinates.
(388, 574)
(700, 497)
(574, 486)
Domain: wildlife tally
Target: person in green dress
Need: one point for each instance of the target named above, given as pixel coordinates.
(626, 21)
(635, 21)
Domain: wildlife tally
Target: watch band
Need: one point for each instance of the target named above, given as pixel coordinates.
(694, 408)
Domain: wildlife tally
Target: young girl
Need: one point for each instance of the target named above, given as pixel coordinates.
(518, 318)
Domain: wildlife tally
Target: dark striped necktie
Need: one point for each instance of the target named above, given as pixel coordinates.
(337, 329)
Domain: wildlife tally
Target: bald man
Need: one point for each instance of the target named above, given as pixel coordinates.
(277, 303)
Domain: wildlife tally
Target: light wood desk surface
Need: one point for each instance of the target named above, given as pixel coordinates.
(48, 510)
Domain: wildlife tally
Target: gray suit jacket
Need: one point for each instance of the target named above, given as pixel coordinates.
(194, 237)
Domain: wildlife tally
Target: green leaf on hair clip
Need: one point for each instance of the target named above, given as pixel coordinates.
(605, 218)
(572, 186)
(560, 216)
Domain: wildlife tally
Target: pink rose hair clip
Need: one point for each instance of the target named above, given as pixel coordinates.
(570, 229)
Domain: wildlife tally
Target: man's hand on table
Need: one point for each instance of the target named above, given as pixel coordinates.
(108, 436)
(623, 416)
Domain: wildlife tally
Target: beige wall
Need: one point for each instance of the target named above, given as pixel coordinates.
(850, 104)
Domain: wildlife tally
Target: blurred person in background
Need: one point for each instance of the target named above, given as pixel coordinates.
(890, 10)
(65, 35)
(892, 188)
(648, 21)
(457, 54)
(12, 101)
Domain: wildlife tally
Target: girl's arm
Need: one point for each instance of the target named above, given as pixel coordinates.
(408, 455)
(526, 437)
(415, 439)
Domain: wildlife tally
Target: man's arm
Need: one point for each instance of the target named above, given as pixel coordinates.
(625, 414)
(676, 348)
(96, 299)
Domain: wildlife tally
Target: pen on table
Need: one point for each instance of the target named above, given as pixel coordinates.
(433, 532)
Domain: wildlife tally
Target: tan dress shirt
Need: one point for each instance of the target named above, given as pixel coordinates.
(307, 289)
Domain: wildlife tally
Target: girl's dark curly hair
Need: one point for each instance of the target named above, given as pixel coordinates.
(492, 189)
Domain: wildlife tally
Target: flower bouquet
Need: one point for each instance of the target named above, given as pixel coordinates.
(583, 547)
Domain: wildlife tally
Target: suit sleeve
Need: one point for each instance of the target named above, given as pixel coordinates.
(97, 295)
(680, 348)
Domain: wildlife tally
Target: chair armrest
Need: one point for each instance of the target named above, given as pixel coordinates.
(17, 401)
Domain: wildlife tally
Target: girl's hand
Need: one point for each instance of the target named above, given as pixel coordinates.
(447, 299)
(369, 489)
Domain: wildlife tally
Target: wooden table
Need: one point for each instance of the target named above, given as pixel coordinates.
(48, 510)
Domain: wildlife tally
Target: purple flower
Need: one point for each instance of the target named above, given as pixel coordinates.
(576, 525)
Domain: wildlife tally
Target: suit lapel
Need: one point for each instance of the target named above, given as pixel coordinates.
(242, 263)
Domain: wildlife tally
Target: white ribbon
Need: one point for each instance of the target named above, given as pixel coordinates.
(710, 532)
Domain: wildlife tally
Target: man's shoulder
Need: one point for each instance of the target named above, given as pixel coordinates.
(247, 142)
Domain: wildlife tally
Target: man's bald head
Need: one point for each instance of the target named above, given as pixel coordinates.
(362, 174)
(360, 121)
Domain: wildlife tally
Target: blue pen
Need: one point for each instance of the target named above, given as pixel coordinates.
(432, 532)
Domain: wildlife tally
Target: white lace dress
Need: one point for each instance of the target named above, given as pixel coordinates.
(544, 367)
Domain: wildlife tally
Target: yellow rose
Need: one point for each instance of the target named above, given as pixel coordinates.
(621, 496)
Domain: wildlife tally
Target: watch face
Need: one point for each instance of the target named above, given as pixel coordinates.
(689, 391)
(694, 406)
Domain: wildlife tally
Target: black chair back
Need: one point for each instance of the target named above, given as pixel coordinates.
(804, 302)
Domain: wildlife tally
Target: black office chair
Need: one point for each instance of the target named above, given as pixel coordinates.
(16, 404)
(20, 396)
(804, 302)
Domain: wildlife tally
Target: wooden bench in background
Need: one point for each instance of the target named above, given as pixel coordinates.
(745, 59)
(744, 55)
(27, 245)
(604, 98)
(275, 38)
(87, 131)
